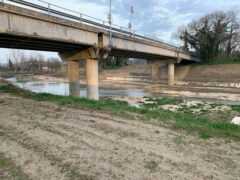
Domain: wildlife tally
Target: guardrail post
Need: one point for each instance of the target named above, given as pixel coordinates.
(80, 18)
(49, 9)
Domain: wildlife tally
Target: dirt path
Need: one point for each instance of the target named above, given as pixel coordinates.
(48, 141)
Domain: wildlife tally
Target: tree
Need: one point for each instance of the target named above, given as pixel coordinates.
(22, 60)
(54, 64)
(15, 56)
(211, 35)
(10, 64)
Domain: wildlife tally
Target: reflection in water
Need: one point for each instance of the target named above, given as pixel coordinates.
(63, 89)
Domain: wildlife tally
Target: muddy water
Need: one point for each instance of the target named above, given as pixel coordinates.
(60, 88)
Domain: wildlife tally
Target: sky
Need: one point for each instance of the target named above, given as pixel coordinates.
(154, 17)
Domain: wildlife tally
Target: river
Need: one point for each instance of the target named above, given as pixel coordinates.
(59, 88)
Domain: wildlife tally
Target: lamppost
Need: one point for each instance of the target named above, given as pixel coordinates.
(110, 22)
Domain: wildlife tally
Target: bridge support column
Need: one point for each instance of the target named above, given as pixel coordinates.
(92, 79)
(91, 55)
(74, 84)
(171, 74)
(154, 73)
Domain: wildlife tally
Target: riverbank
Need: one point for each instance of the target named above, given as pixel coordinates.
(56, 137)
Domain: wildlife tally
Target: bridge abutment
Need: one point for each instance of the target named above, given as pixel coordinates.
(73, 74)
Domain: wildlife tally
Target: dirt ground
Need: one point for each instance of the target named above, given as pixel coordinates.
(49, 141)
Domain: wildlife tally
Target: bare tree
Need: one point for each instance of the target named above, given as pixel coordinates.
(23, 59)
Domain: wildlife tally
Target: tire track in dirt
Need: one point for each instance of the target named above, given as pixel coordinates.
(102, 142)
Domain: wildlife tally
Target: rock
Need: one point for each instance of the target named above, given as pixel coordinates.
(236, 121)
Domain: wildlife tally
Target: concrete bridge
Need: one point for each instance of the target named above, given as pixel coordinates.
(22, 28)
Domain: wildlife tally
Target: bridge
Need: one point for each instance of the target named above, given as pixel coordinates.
(30, 26)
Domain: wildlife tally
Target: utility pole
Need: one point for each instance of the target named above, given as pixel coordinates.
(110, 22)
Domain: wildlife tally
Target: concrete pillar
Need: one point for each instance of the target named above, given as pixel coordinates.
(171, 74)
(92, 79)
(154, 73)
(74, 84)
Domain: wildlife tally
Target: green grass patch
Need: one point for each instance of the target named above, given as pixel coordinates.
(1, 101)
(236, 107)
(156, 102)
(205, 135)
(200, 125)
(151, 165)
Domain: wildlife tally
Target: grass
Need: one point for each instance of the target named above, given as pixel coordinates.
(204, 126)
(163, 101)
(134, 134)
(151, 165)
(1, 101)
(10, 170)
(2, 133)
(236, 108)
(205, 135)
(220, 62)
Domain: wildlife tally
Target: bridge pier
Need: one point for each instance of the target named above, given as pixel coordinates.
(155, 73)
(92, 79)
(91, 55)
(171, 70)
(73, 73)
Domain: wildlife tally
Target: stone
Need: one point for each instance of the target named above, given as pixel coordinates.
(236, 121)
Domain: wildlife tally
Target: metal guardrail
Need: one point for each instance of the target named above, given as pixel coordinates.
(83, 18)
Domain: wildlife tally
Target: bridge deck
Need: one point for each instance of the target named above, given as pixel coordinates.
(22, 28)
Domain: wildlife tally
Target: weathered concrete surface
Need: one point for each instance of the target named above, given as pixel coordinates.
(88, 53)
(92, 79)
(155, 73)
(171, 71)
(29, 29)
(74, 84)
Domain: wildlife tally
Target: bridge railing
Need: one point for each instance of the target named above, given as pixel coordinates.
(55, 10)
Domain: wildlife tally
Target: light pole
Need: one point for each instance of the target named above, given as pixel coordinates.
(110, 22)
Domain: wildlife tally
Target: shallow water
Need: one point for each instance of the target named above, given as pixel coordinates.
(59, 88)
(63, 89)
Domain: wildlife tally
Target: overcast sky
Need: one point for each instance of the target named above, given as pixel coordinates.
(158, 17)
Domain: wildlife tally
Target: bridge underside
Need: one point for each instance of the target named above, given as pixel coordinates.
(33, 43)
(40, 44)
(134, 54)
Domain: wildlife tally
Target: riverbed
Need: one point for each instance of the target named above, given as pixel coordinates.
(126, 94)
